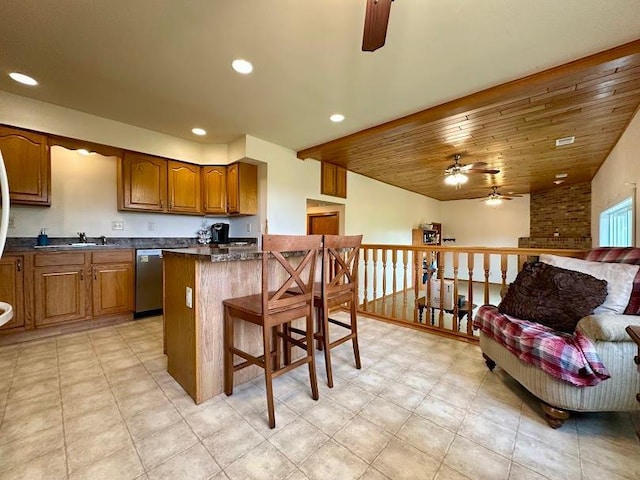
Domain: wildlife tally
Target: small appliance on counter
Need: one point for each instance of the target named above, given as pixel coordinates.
(43, 239)
(220, 233)
(204, 236)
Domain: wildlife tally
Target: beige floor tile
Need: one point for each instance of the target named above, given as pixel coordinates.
(352, 397)
(488, 434)
(544, 459)
(19, 408)
(194, 463)
(441, 412)
(299, 400)
(332, 460)
(297, 475)
(456, 395)
(163, 444)
(13, 429)
(328, 415)
(385, 414)
(259, 419)
(125, 374)
(372, 382)
(88, 386)
(363, 438)
(50, 466)
(403, 395)
(388, 368)
(30, 390)
(418, 381)
(448, 473)
(426, 436)
(298, 440)
(498, 412)
(134, 387)
(32, 374)
(373, 474)
(90, 449)
(136, 403)
(401, 461)
(91, 423)
(233, 441)
(592, 471)
(614, 427)
(533, 424)
(620, 460)
(502, 387)
(84, 404)
(186, 406)
(122, 465)
(264, 462)
(518, 472)
(29, 447)
(212, 419)
(247, 397)
(475, 461)
(156, 365)
(125, 361)
(151, 420)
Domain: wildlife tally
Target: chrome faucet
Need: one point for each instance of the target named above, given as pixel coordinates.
(83, 237)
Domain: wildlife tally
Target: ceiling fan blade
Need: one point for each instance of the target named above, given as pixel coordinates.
(375, 24)
(490, 171)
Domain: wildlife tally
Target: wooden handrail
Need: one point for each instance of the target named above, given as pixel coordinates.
(411, 302)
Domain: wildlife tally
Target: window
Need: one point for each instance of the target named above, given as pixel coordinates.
(616, 225)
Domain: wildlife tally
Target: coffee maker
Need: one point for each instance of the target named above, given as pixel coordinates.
(220, 233)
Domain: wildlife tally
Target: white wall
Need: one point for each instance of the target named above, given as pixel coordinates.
(616, 178)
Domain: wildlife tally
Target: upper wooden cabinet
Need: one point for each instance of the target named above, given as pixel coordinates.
(242, 189)
(183, 187)
(214, 189)
(142, 183)
(28, 164)
(333, 180)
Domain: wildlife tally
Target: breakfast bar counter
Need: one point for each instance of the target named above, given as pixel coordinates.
(196, 281)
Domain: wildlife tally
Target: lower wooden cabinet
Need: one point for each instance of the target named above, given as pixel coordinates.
(112, 288)
(54, 288)
(12, 289)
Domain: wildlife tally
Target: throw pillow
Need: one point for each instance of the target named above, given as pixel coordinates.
(553, 296)
(619, 279)
(629, 255)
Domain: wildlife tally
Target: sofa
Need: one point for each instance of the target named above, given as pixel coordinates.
(604, 377)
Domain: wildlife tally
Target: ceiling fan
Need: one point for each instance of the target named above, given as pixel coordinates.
(496, 198)
(456, 173)
(375, 24)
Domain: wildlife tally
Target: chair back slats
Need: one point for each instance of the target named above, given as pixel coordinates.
(300, 275)
(341, 254)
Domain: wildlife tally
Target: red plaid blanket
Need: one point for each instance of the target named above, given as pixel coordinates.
(571, 358)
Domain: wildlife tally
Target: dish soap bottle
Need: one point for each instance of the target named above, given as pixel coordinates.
(43, 239)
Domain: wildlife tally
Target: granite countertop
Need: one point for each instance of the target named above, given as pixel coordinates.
(214, 254)
(57, 244)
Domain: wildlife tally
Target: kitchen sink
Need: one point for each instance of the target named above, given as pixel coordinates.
(73, 245)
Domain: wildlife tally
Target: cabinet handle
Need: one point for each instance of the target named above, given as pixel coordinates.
(19, 265)
(161, 203)
(95, 274)
(81, 274)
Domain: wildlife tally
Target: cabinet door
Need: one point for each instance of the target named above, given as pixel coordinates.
(214, 189)
(60, 294)
(242, 189)
(112, 289)
(184, 187)
(12, 289)
(341, 182)
(26, 158)
(142, 183)
(328, 179)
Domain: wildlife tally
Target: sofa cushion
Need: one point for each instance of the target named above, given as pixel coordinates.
(619, 279)
(607, 327)
(629, 255)
(553, 296)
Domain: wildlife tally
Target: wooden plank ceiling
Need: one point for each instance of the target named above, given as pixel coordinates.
(511, 127)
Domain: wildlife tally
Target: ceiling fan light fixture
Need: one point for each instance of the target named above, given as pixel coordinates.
(456, 179)
(493, 201)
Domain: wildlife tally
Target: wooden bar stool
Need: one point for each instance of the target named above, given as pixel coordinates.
(339, 286)
(274, 307)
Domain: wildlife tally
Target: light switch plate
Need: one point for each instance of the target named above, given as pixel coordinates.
(189, 297)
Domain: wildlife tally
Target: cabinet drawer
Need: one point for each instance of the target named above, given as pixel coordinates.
(112, 256)
(59, 258)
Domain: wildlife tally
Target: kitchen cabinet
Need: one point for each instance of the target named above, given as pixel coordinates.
(113, 282)
(333, 180)
(183, 187)
(242, 189)
(142, 182)
(60, 288)
(28, 164)
(214, 189)
(12, 289)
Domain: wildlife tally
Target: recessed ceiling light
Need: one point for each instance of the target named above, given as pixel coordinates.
(336, 117)
(565, 141)
(562, 175)
(242, 66)
(24, 79)
(199, 131)
(558, 182)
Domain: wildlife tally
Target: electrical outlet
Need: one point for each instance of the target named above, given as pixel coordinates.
(117, 225)
(151, 226)
(12, 222)
(189, 297)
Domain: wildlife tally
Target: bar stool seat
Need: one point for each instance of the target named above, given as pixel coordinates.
(274, 307)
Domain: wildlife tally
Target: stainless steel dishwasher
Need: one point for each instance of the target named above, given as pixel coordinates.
(148, 282)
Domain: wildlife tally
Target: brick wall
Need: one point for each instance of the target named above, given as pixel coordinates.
(566, 208)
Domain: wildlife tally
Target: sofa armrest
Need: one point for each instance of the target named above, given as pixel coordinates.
(608, 327)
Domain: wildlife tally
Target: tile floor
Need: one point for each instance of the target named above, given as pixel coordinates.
(100, 405)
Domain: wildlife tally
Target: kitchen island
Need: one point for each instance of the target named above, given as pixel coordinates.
(196, 281)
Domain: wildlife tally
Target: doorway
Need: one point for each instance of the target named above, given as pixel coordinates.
(323, 223)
